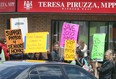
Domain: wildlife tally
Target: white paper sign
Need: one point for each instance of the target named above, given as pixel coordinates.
(19, 23)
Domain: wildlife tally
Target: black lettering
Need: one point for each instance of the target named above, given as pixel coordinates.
(69, 56)
(7, 33)
(16, 51)
(14, 37)
(69, 50)
(14, 41)
(15, 32)
(17, 45)
(72, 34)
(9, 46)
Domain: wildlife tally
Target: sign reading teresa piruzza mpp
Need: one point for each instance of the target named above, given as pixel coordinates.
(14, 41)
(81, 6)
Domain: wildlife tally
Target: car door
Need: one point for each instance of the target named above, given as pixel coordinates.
(75, 72)
(46, 72)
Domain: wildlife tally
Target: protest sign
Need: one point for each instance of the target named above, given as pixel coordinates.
(69, 49)
(98, 47)
(36, 42)
(69, 32)
(14, 41)
(19, 23)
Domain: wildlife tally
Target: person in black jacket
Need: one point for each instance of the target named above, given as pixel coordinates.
(55, 53)
(105, 71)
(114, 70)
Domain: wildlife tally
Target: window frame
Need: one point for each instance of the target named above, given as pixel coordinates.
(88, 24)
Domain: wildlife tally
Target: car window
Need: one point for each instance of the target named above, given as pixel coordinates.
(74, 72)
(47, 72)
(34, 74)
(11, 71)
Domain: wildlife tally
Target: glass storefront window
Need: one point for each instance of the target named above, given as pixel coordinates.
(57, 26)
(86, 31)
(112, 36)
(95, 28)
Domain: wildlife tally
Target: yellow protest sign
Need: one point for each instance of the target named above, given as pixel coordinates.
(14, 41)
(36, 42)
(69, 50)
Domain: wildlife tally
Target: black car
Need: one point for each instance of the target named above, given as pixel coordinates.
(46, 70)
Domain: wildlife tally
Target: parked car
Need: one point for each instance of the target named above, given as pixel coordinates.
(43, 70)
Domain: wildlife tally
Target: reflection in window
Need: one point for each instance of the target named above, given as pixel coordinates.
(97, 27)
(76, 73)
(50, 72)
(112, 36)
(34, 74)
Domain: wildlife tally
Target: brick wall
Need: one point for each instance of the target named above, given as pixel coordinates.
(42, 21)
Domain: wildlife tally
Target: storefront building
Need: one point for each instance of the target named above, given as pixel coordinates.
(92, 16)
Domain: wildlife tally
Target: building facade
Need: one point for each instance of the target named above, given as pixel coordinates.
(51, 20)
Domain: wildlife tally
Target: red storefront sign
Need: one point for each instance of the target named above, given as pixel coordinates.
(67, 6)
(7, 5)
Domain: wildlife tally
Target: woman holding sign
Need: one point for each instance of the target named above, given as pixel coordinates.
(81, 61)
(55, 53)
(105, 71)
(83, 48)
(114, 70)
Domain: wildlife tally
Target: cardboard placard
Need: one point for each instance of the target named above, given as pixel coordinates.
(36, 42)
(14, 41)
(69, 32)
(98, 47)
(69, 50)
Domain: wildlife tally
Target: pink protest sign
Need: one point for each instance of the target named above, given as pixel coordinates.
(69, 32)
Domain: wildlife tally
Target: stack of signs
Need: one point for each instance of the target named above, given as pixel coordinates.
(69, 39)
(36, 42)
(14, 41)
(98, 47)
(69, 49)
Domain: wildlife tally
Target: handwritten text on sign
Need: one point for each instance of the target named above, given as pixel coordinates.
(69, 32)
(69, 50)
(98, 47)
(36, 42)
(14, 41)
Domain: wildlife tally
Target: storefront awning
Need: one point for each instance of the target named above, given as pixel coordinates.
(67, 6)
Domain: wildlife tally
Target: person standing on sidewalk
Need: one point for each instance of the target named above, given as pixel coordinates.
(55, 53)
(106, 69)
(83, 48)
(114, 70)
